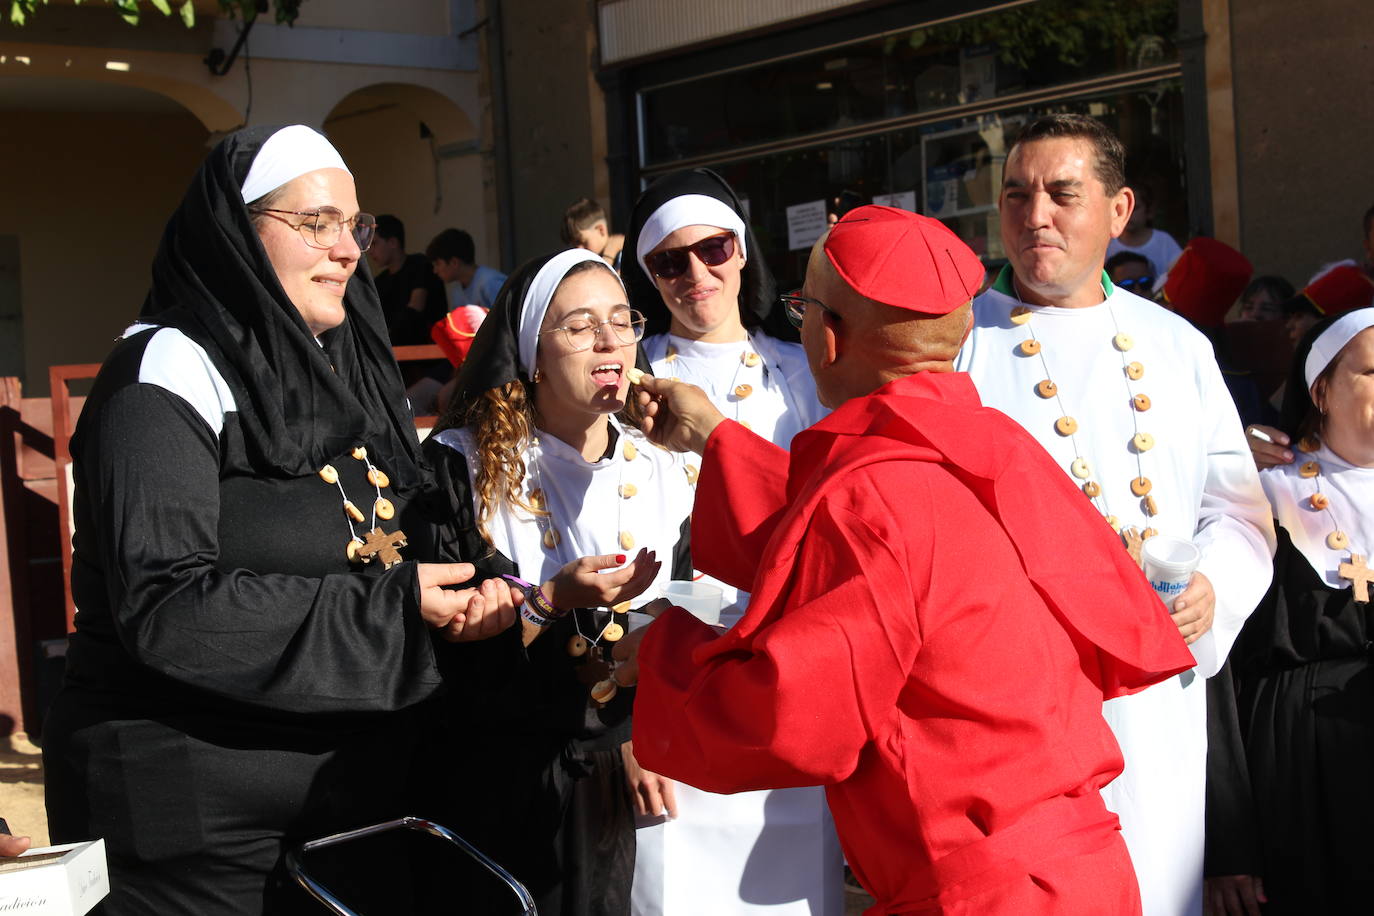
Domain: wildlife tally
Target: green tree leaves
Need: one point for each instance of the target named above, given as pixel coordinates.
(286, 10)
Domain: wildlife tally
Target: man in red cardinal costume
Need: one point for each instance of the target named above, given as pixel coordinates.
(937, 613)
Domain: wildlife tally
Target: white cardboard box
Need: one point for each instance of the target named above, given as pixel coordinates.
(55, 880)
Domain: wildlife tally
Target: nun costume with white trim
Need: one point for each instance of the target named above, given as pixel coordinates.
(1304, 668)
(236, 683)
(775, 851)
(556, 808)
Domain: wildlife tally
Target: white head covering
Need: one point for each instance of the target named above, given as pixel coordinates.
(536, 302)
(1332, 341)
(687, 210)
(287, 154)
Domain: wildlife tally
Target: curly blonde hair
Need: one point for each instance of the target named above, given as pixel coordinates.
(502, 421)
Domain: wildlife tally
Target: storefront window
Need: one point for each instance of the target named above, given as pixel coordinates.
(922, 71)
(952, 170)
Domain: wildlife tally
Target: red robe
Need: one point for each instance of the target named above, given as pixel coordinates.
(937, 616)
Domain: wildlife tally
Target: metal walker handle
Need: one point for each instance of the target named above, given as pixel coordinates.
(325, 896)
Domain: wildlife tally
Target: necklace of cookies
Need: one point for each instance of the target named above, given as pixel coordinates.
(597, 669)
(1067, 427)
(737, 390)
(1353, 569)
(374, 542)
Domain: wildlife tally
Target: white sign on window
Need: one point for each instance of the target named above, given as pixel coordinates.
(805, 223)
(902, 200)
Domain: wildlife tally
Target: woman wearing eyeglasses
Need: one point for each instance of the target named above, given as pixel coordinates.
(545, 468)
(714, 319)
(251, 642)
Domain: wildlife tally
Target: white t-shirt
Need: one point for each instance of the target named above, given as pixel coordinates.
(1161, 250)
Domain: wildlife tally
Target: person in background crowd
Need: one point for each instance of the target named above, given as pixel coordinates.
(1302, 663)
(1132, 272)
(1202, 286)
(413, 300)
(454, 258)
(412, 296)
(585, 226)
(1141, 237)
(714, 319)
(248, 634)
(1128, 399)
(1263, 299)
(904, 558)
(1334, 290)
(540, 468)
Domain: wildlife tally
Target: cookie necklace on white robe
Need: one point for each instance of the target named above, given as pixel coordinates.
(1353, 569)
(1067, 427)
(599, 666)
(376, 542)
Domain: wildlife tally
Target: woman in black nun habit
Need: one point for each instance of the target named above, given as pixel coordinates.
(546, 468)
(1291, 827)
(249, 647)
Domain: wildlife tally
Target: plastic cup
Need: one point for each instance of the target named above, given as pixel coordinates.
(1169, 565)
(700, 599)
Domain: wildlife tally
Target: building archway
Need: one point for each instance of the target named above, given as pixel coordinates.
(90, 171)
(415, 154)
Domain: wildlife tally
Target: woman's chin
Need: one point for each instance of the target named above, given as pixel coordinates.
(608, 400)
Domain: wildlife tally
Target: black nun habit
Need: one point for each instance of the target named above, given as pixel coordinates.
(235, 685)
(556, 808)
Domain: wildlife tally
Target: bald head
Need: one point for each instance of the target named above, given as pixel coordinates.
(870, 343)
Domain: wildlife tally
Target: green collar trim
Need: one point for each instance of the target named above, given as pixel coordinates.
(1003, 283)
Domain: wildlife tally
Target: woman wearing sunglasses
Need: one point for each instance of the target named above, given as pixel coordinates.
(714, 319)
(544, 468)
(712, 310)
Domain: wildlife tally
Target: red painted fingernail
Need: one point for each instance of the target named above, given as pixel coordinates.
(620, 558)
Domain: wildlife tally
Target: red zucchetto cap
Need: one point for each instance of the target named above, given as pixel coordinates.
(1340, 289)
(903, 259)
(1205, 280)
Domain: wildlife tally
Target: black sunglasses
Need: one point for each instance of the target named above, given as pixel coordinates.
(712, 251)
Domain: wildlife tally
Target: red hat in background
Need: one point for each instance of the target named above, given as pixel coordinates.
(903, 259)
(1340, 289)
(1206, 279)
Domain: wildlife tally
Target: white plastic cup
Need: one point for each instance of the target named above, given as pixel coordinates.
(1169, 565)
(701, 599)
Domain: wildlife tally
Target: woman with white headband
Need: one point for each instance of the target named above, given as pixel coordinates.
(714, 320)
(1303, 663)
(713, 315)
(546, 467)
(253, 634)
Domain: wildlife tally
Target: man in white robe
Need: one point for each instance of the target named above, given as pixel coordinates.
(1127, 397)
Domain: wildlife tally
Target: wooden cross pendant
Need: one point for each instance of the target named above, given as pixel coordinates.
(383, 546)
(1359, 575)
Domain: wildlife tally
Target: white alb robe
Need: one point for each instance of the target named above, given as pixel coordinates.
(1207, 490)
(773, 851)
